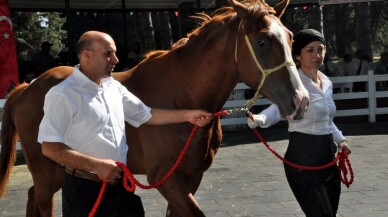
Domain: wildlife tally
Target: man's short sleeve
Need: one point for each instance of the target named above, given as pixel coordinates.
(58, 114)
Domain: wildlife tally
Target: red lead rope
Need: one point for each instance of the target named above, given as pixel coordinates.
(129, 176)
(342, 158)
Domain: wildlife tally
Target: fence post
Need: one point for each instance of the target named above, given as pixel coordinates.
(372, 96)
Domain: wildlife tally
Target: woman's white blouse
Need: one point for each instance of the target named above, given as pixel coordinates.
(318, 119)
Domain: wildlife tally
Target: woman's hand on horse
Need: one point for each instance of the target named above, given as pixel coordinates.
(256, 121)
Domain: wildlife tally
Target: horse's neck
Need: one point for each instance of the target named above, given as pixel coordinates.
(211, 67)
(201, 73)
(123, 76)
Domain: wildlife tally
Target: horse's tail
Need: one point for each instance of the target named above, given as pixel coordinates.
(8, 137)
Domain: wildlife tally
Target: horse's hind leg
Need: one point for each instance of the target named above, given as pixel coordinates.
(30, 202)
(32, 206)
(46, 183)
(178, 191)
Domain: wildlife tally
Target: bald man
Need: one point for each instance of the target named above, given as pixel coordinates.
(83, 129)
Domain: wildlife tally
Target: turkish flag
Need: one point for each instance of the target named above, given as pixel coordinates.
(8, 58)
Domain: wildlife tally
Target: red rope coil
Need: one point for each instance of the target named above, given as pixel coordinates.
(128, 176)
(342, 158)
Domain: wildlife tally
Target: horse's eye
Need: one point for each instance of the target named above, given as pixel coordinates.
(261, 43)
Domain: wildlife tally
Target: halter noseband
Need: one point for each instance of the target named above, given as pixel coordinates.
(265, 72)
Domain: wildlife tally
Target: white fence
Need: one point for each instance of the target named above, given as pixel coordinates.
(371, 94)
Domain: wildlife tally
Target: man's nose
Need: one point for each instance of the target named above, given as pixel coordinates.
(115, 59)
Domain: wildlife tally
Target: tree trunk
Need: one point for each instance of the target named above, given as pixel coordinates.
(222, 3)
(186, 23)
(363, 27)
(165, 35)
(340, 28)
(145, 31)
(315, 18)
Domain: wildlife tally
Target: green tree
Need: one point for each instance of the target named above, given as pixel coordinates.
(37, 27)
(363, 27)
(379, 13)
(347, 27)
(146, 32)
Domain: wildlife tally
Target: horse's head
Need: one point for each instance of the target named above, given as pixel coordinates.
(263, 56)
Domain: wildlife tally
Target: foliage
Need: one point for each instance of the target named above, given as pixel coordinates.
(379, 13)
(339, 25)
(339, 22)
(37, 27)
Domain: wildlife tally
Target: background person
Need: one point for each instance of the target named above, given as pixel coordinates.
(330, 69)
(43, 60)
(362, 69)
(132, 60)
(347, 65)
(83, 129)
(312, 140)
(381, 68)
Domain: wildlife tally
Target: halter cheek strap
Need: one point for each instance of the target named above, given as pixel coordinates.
(265, 72)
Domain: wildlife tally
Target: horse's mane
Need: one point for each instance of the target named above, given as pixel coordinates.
(257, 9)
(156, 53)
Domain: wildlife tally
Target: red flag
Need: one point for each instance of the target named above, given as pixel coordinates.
(8, 58)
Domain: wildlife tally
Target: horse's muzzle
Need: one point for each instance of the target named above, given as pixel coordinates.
(301, 101)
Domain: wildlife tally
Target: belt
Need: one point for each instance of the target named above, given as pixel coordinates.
(88, 175)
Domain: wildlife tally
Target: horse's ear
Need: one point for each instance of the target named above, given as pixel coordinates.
(281, 7)
(239, 8)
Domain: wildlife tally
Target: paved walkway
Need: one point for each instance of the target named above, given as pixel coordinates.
(246, 180)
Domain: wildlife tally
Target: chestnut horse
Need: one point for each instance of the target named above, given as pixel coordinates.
(244, 42)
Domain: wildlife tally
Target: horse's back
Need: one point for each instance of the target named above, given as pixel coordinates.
(50, 78)
(30, 104)
(28, 112)
(123, 76)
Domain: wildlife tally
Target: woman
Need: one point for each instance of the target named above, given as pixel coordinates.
(312, 140)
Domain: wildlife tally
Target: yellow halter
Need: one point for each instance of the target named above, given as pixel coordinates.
(265, 72)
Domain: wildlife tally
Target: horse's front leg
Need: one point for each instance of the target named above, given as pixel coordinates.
(179, 192)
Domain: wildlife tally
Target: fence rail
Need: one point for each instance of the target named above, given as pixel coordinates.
(371, 95)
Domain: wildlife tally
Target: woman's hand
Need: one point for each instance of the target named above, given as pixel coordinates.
(258, 120)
